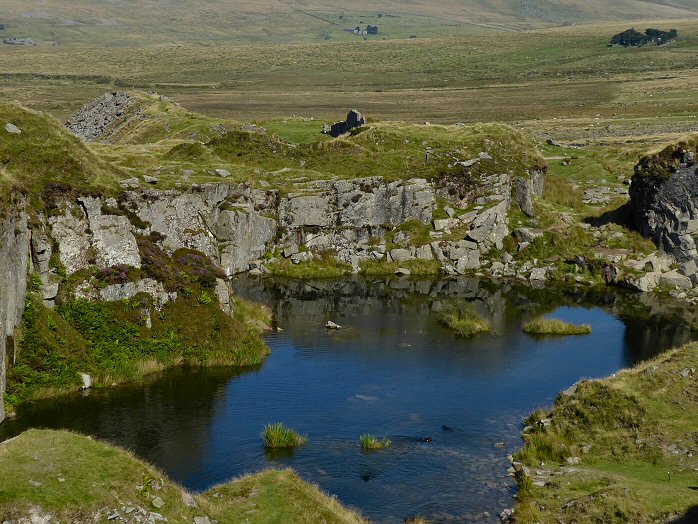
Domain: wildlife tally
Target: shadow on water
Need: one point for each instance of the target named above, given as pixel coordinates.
(452, 407)
(166, 419)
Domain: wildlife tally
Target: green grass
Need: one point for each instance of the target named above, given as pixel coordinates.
(278, 436)
(461, 317)
(80, 476)
(324, 266)
(374, 268)
(44, 153)
(371, 442)
(109, 342)
(554, 326)
(630, 424)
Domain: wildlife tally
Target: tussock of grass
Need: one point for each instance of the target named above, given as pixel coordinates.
(563, 194)
(278, 436)
(553, 326)
(323, 266)
(461, 317)
(369, 442)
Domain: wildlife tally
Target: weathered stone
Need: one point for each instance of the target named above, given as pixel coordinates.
(223, 173)
(525, 234)
(424, 253)
(646, 282)
(526, 189)
(12, 129)
(400, 255)
(150, 179)
(112, 238)
(665, 209)
(539, 274)
(70, 230)
(243, 235)
(86, 381)
(96, 119)
(674, 278)
(149, 286)
(14, 260)
(354, 119)
(402, 272)
(332, 325)
(306, 210)
(290, 251)
(226, 299)
(130, 183)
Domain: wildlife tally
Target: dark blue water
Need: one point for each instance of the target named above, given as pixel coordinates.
(393, 371)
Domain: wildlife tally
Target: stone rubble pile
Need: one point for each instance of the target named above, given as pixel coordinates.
(93, 120)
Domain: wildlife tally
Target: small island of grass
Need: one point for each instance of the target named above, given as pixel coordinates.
(462, 318)
(553, 326)
(278, 436)
(370, 442)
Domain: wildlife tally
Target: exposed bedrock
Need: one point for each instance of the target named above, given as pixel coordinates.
(14, 253)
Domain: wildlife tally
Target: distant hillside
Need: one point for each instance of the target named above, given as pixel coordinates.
(175, 22)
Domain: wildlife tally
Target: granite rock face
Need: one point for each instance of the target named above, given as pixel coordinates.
(14, 259)
(665, 209)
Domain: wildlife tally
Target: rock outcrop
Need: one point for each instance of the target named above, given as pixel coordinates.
(665, 206)
(14, 243)
(93, 120)
(354, 119)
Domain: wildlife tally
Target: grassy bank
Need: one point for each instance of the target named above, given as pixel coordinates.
(622, 449)
(112, 343)
(79, 479)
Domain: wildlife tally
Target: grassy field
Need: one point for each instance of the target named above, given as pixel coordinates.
(64, 477)
(205, 22)
(564, 81)
(621, 449)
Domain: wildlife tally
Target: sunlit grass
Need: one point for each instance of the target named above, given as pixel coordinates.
(554, 326)
(278, 436)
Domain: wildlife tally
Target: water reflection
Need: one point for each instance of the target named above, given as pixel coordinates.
(392, 371)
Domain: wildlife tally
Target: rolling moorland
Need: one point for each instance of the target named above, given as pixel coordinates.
(205, 23)
(602, 109)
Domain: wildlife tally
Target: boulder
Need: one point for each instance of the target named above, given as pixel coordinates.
(401, 255)
(354, 119)
(664, 202)
(86, 381)
(538, 274)
(675, 279)
(525, 234)
(12, 129)
(403, 272)
(223, 173)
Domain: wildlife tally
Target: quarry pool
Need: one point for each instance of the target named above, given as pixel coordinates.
(452, 407)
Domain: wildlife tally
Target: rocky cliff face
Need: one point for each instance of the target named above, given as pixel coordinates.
(14, 242)
(104, 248)
(664, 203)
(235, 225)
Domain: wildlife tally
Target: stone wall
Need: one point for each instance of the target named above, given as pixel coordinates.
(14, 243)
